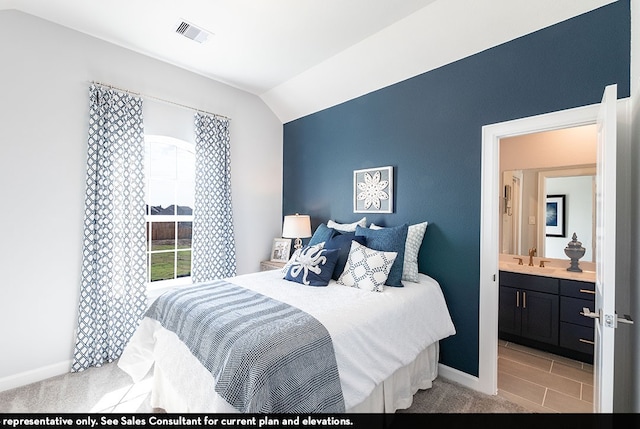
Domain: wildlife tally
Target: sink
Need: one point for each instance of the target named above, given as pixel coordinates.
(553, 267)
(547, 271)
(537, 270)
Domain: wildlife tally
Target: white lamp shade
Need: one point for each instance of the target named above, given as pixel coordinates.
(296, 226)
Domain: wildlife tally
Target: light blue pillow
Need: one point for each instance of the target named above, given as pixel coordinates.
(388, 240)
(313, 266)
(322, 234)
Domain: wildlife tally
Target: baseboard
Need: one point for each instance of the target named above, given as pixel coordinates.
(32, 376)
(459, 377)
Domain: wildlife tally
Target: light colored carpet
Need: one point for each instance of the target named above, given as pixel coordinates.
(108, 389)
(448, 397)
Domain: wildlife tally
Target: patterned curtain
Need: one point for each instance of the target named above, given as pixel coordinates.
(214, 254)
(113, 291)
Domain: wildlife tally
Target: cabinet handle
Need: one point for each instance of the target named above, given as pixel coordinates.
(592, 292)
(524, 299)
(582, 340)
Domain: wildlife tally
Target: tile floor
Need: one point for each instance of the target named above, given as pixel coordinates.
(543, 382)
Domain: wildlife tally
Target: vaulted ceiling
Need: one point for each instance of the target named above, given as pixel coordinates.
(301, 56)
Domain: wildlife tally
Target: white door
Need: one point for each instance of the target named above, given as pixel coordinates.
(605, 322)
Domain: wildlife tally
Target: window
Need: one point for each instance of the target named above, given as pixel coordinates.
(170, 187)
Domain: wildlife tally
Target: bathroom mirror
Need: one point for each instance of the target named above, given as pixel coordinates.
(536, 166)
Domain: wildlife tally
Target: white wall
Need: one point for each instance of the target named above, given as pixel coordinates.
(578, 191)
(634, 159)
(421, 42)
(44, 80)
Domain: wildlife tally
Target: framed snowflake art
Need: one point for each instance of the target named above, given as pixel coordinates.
(373, 190)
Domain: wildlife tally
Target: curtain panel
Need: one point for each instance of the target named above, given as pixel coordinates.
(113, 290)
(214, 254)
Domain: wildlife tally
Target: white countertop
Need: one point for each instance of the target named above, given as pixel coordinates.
(556, 268)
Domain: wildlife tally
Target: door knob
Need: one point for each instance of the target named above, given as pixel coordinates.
(588, 313)
(625, 319)
(610, 321)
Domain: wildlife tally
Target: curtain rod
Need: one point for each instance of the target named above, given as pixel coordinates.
(104, 85)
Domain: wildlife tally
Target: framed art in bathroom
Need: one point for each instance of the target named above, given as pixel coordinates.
(555, 220)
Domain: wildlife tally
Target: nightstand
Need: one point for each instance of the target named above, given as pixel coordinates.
(271, 265)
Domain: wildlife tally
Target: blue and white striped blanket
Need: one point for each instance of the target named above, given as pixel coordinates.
(266, 356)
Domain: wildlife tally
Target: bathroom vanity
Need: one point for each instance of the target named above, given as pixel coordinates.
(540, 307)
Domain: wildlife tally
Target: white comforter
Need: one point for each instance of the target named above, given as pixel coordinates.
(373, 333)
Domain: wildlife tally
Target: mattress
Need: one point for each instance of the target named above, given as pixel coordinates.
(384, 342)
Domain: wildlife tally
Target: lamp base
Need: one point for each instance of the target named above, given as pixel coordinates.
(297, 244)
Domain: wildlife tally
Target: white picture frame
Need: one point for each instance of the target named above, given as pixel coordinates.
(373, 190)
(280, 250)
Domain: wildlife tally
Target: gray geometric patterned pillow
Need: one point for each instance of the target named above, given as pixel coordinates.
(415, 235)
(367, 268)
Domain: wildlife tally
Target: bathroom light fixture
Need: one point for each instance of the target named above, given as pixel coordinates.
(296, 226)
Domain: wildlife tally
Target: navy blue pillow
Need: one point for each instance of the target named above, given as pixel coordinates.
(322, 234)
(312, 267)
(342, 242)
(388, 240)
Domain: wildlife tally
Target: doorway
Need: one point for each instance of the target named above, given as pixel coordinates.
(533, 166)
(490, 224)
(609, 114)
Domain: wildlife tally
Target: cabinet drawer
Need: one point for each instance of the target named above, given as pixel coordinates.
(577, 289)
(570, 309)
(571, 336)
(530, 282)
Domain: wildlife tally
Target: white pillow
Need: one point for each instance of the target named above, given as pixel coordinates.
(347, 227)
(415, 235)
(366, 268)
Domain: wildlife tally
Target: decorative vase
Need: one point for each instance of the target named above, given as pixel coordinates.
(574, 251)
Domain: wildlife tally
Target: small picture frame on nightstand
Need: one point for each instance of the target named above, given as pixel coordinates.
(281, 249)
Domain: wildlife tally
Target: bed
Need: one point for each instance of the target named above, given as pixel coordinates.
(382, 347)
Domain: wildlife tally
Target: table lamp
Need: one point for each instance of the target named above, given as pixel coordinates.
(296, 226)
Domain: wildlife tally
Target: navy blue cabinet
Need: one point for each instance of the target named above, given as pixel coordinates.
(544, 312)
(576, 331)
(529, 307)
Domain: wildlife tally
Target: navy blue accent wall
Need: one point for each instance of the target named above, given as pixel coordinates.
(429, 128)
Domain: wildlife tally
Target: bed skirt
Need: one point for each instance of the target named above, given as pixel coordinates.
(396, 392)
(175, 369)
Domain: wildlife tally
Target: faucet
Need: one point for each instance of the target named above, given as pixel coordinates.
(532, 252)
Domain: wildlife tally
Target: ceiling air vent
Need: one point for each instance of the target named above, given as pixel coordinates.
(191, 31)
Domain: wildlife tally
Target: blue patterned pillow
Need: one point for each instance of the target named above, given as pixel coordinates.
(415, 235)
(388, 240)
(313, 266)
(342, 242)
(323, 233)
